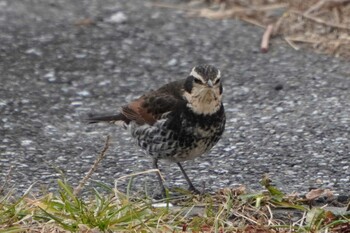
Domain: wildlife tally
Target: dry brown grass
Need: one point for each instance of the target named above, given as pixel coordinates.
(323, 25)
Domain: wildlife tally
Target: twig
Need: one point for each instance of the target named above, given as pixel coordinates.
(252, 21)
(320, 21)
(270, 7)
(315, 7)
(321, 3)
(266, 39)
(245, 217)
(303, 39)
(303, 219)
(291, 43)
(8, 175)
(270, 220)
(220, 14)
(223, 13)
(171, 6)
(334, 49)
(277, 25)
(93, 168)
(336, 15)
(236, 9)
(241, 12)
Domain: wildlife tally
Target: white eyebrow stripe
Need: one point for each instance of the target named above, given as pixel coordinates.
(196, 75)
(218, 76)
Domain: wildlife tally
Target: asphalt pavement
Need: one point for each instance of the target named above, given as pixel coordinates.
(288, 112)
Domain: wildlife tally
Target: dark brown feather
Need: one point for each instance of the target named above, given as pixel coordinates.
(135, 112)
(150, 107)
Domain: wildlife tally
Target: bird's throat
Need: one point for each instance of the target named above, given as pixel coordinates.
(206, 102)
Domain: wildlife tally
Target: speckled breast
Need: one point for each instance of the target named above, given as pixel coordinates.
(180, 137)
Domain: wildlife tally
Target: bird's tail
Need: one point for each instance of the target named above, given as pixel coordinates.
(119, 119)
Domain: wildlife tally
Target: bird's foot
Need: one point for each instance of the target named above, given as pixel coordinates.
(162, 193)
(193, 190)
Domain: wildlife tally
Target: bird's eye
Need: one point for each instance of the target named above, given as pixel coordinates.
(196, 80)
(217, 81)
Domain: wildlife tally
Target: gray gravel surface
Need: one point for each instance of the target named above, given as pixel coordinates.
(288, 112)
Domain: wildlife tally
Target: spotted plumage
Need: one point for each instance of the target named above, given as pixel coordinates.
(180, 121)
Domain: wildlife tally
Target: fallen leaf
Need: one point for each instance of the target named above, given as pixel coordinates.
(316, 193)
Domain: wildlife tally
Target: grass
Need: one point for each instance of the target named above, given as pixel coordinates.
(229, 210)
(109, 210)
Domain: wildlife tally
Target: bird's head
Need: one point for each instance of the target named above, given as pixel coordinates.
(203, 90)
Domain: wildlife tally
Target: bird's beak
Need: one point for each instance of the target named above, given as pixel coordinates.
(210, 83)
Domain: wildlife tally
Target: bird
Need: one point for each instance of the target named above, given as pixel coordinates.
(180, 121)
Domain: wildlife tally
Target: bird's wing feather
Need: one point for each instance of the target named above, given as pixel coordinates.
(150, 107)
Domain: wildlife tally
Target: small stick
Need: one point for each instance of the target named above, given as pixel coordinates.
(266, 39)
(171, 6)
(278, 25)
(93, 168)
(291, 43)
(303, 219)
(315, 7)
(303, 39)
(336, 15)
(252, 21)
(270, 221)
(320, 21)
(270, 7)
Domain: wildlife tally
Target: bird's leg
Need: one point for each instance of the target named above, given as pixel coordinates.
(160, 180)
(191, 186)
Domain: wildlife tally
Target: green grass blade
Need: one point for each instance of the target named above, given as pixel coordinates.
(53, 217)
